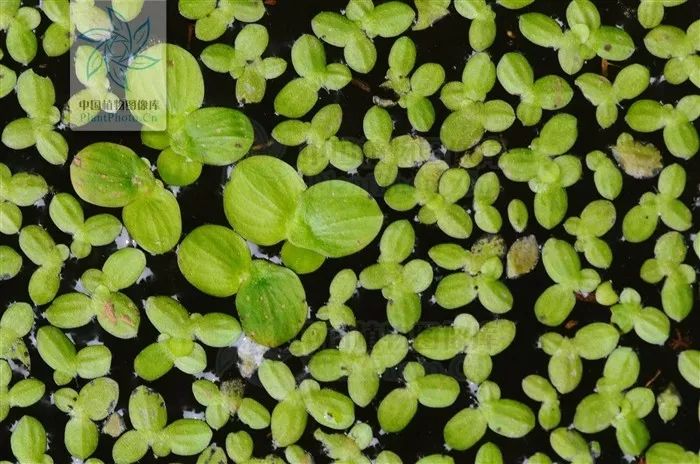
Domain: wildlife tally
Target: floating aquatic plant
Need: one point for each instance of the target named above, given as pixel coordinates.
(336, 311)
(505, 417)
(363, 369)
(267, 202)
(660, 453)
(28, 442)
(481, 269)
(430, 12)
(239, 447)
(359, 23)
(486, 190)
(15, 323)
(98, 230)
(18, 22)
(615, 403)
(39, 247)
(10, 262)
(606, 176)
(67, 362)
(650, 13)
(650, 324)
(299, 95)
(113, 176)
(188, 135)
(596, 220)
(546, 169)
(8, 79)
(678, 278)
(103, 300)
(540, 389)
(270, 299)
(629, 83)
(585, 37)
(465, 335)
(94, 402)
(641, 221)
(472, 115)
(311, 340)
(213, 17)
(58, 36)
(37, 97)
(21, 394)
(668, 402)
(403, 151)
(179, 333)
(689, 366)
(680, 135)
(245, 64)
(398, 407)
(563, 266)
(149, 419)
(572, 447)
(517, 214)
(227, 400)
(680, 48)
(413, 86)
(295, 403)
(401, 284)
(436, 188)
(549, 92)
(322, 146)
(592, 341)
(18, 190)
(347, 448)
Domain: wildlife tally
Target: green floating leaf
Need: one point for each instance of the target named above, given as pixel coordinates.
(506, 417)
(244, 63)
(271, 304)
(584, 39)
(689, 367)
(56, 349)
(549, 92)
(148, 415)
(111, 175)
(215, 260)
(28, 441)
(680, 136)
(335, 218)
(432, 390)
(37, 97)
(115, 312)
(10, 262)
(261, 197)
(299, 95)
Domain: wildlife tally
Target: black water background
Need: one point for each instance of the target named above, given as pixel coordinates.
(447, 44)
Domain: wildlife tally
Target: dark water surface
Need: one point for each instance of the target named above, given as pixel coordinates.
(447, 44)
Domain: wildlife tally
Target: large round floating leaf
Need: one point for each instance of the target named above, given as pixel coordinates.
(169, 75)
(335, 218)
(109, 175)
(214, 259)
(260, 198)
(217, 136)
(154, 221)
(271, 304)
